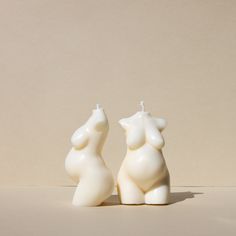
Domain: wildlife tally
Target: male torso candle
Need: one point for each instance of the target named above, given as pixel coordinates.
(84, 162)
(143, 176)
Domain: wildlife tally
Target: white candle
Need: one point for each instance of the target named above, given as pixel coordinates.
(84, 162)
(143, 176)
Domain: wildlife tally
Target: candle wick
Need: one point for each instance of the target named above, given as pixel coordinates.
(142, 106)
(98, 106)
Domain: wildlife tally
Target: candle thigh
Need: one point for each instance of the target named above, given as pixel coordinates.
(84, 162)
(143, 177)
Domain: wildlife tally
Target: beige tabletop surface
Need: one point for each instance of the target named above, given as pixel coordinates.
(48, 211)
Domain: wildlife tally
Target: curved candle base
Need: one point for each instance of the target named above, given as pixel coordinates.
(93, 192)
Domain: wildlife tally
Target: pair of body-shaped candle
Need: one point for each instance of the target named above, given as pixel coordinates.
(143, 177)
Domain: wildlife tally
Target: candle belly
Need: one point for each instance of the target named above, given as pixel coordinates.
(145, 166)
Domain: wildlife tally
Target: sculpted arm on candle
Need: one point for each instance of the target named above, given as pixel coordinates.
(143, 176)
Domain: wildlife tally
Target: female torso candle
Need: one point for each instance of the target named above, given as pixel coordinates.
(143, 176)
(84, 162)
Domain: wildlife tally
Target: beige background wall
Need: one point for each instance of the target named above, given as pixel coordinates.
(58, 58)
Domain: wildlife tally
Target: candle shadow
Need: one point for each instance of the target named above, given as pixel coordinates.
(181, 196)
(113, 200)
(175, 197)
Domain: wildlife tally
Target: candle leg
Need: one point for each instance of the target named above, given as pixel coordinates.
(159, 193)
(93, 191)
(128, 191)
